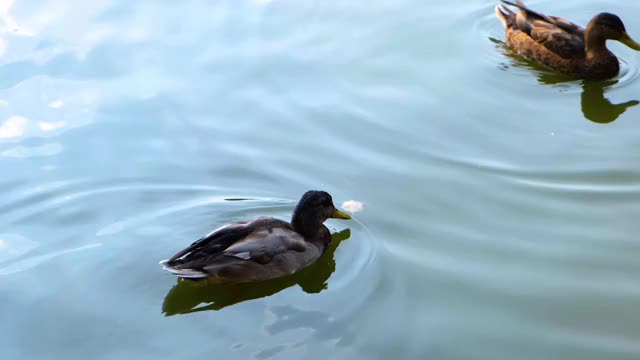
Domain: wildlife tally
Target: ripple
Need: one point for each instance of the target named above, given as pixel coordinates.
(537, 246)
(595, 341)
(40, 199)
(361, 249)
(488, 31)
(49, 149)
(136, 221)
(629, 73)
(571, 179)
(60, 200)
(516, 277)
(14, 245)
(34, 261)
(353, 263)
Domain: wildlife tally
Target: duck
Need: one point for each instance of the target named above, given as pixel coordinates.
(261, 249)
(562, 45)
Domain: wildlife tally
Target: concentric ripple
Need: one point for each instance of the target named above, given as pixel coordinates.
(180, 213)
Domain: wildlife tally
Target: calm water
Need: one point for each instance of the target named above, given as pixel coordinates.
(502, 202)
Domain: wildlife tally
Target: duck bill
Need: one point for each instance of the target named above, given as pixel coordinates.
(627, 40)
(337, 214)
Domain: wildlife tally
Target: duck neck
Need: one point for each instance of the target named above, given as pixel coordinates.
(595, 46)
(601, 63)
(306, 226)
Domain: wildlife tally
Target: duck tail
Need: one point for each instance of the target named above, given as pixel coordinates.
(504, 15)
(184, 273)
(528, 13)
(518, 4)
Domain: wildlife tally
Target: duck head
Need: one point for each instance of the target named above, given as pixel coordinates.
(606, 26)
(313, 209)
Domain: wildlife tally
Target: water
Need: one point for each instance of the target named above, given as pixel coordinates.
(501, 201)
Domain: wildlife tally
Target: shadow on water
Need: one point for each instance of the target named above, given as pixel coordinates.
(595, 106)
(187, 296)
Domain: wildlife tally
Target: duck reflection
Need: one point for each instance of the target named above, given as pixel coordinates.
(595, 106)
(188, 296)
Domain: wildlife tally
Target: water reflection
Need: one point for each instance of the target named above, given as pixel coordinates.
(186, 296)
(595, 106)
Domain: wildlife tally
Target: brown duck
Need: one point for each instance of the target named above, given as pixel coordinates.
(563, 45)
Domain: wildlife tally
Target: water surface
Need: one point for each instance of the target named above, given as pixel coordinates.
(502, 201)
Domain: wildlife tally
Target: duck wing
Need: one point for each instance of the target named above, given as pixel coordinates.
(259, 241)
(568, 26)
(556, 34)
(212, 243)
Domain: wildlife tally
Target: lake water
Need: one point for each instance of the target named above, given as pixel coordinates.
(502, 202)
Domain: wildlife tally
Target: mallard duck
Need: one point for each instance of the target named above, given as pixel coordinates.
(185, 298)
(563, 45)
(261, 249)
